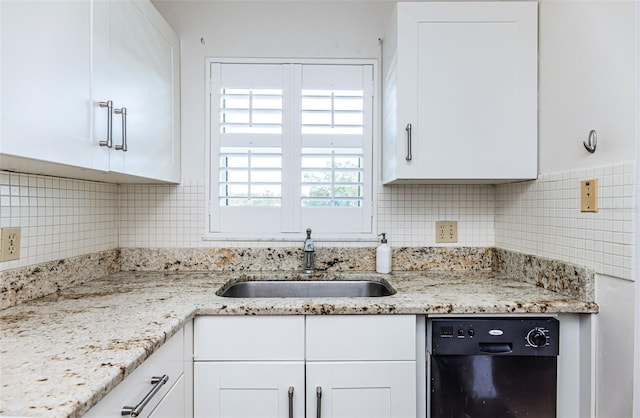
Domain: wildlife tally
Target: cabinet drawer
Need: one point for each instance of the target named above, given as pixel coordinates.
(248, 338)
(361, 337)
(168, 360)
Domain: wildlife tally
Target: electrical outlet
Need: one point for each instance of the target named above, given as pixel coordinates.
(9, 244)
(589, 195)
(446, 231)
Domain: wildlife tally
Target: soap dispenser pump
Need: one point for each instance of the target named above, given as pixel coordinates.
(383, 255)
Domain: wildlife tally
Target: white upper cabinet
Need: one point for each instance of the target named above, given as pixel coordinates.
(460, 93)
(139, 72)
(62, 62)
(46, 82)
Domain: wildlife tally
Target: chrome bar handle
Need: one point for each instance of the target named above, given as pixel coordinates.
(319, 402)
(123, 112)
(290, 401)
(135, 411)
(109, 142)
(408, 129)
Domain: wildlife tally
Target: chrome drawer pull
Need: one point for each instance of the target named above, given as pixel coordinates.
(123, 112)
(109, 105)
(135, 411)
(319, 402)
(409, 157)
(290, 401)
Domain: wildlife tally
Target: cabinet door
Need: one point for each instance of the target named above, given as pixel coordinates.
(467, 84)
(141, 75)
(248, 389)
(361, 389)
(46, 81)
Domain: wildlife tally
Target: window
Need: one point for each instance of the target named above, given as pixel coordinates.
(290, 148)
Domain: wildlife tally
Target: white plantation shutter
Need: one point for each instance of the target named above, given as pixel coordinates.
(336, 147)
(291, 148)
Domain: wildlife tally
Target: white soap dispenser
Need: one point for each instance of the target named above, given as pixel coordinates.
(383, 256)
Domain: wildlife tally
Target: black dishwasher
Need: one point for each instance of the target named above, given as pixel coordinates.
(492, 367)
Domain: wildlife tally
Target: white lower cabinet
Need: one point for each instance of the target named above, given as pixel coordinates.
(170, 397)
(361, 389)
(361, 366)
(139, 71)
(350, 366)
(245, 366)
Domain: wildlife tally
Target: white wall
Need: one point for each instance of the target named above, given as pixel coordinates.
(587, 81)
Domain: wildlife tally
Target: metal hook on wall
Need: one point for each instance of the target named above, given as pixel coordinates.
(592, 142)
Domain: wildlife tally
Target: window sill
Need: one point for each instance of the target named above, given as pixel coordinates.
(297, 238)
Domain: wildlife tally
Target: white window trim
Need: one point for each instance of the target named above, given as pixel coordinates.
(295, 236)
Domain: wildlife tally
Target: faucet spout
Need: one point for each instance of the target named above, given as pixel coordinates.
(309, 252)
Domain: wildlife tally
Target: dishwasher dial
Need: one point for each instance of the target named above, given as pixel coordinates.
(537, 337)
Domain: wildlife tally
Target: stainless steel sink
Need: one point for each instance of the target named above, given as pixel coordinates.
(305, 289)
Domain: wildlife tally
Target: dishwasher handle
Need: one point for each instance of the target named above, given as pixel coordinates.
(496, 348)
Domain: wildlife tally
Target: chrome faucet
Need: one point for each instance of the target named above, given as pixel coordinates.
(309, 251)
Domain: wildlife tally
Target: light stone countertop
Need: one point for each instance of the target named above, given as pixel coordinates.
(62, 353)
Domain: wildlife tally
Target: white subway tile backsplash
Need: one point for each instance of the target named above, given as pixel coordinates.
(64, 218)
(543, 218)
(59, 217)
(162, 216)
(471, 205)
(173, 216)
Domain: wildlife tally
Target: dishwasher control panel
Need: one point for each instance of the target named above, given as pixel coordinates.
(535, 336)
